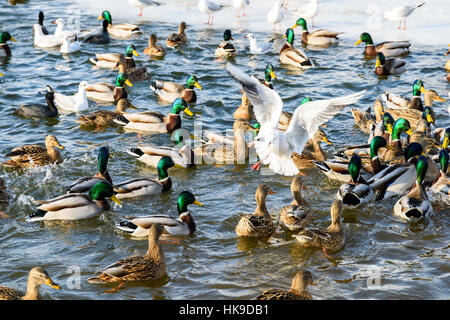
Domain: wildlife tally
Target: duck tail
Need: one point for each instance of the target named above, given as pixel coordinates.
(136, 152)
(37, 215)
(50, 89)
(121, 120)
(93, 61)
(126, 226)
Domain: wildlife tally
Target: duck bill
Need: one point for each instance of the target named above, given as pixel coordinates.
(132, 107)
(60, 146)
(377, 64)
(114, 198)
(271, 192)
(128, 83)
(358, 42)
(294, 26)
(389, 147)
(327, 141)
(100, 18)
(198, 86)
(50, 283)
(1, 74)
(135, 53)
(272, 75)
(198, 203)
(188, 112)
(389, 128)
(176, 165)
(429, 118)
(445, 143)
(409, 132)
(12, 39)
(440, 99)
(422, 89)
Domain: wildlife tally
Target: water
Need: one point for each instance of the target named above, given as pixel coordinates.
(410, 259)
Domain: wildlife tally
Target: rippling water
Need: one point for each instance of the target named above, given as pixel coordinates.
(410, 259)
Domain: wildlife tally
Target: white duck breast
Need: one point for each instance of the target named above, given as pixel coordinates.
(149, 121)
(172, 226)
(151, 155)
(77, 102)
(45, 41)
(137, 187)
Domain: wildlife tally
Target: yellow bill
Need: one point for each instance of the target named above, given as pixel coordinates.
(135, 53)
(377, 64)
(389, 147)
(114, 198)
(358, 42)
(1, 74)
(176, 165)
(409, 132)
(100, 18)
(422, 89)
(60, 146)
(429, 118)
(12, 39)
(325, 139)
(272, 75)
(188, 112)
(439, 99)
(389, 127)
(132, 107)
(128, 83)
(50, 283)
(198, 203)
(294, 26)
(198, 86)
(445, 143)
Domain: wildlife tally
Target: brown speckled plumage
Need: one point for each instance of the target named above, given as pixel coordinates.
(298, 291)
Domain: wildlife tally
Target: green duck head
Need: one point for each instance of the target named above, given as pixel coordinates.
(256, 126)
(305, 100)
(364, 37)
(388, 122)
(290, 36)
(418, 87)
(122, 79)
(163, 165)
(106, 15)
(130, 50)
(184, 199)
(300, 22)
(6, 36)
(446, 139)
(178, 105)
(192, 82)
(377, 143)
(427, 115)
(103, 157)
(102, 190)
(269, 74)
(443, 160)
(227, 35)
(401, 125)
(414, 149)
(354, 167)
(381, 60)
(421, 168)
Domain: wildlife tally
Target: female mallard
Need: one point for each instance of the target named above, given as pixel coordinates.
(5, 50)
(184, 225)
(321, 37)
(105, 117)
(388, 48)
(75, 103)
(36, 278)
(415, 205)
(391, 66)
(134, 72)
(153, 49)
(107, 92)
(169, 91)
(150, 266)
(120, 31)
(102, 37)
(244, 110)
(357, 191)
(226, 48)
(85, 184)
(298, 214)
(298, 291)
(258, 224)
(140, 186)
(395, 101)
(305, 160)
(292, 56)
(175, 39)
(331, 239)
(39, 110)
(76, 206)
(441, 186)
(34, 155)
(365, 120)
(152, 121)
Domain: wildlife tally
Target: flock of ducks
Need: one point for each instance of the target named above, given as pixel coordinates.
(388, 165)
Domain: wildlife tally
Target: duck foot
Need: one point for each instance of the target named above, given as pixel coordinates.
(4, 215)
(120, 285)
(325, 254)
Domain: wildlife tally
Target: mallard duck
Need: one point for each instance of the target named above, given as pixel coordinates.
(69, 45)
(293, 56)
(84, 184)
(364, 120)
(184, 225)
(36, 278)
(105, 117)
(102, 37)
(258, 224)
(45, 41)
(34, 155)
(38, 110)
(176, 39)
(107, 92)
(298, 214)
(41, 23)
(391, 66)
(77, 102)
(321, 37)
(134, 72)
(441, 186)
(244, 110)
(226, 48)
(141, 4)
(169, 91)
(150, 266)
(415, 205)
(401, 125)
(5, 50)
(395, 101)
(106, 60)
(76, 206)
(298, 291)
(153, 49)
(331, 239)
(120, 31)
(305, 160)
(140, 186)
(258, 48)
(400, 13)
(61, 31)
(152, 121)
(388, 48)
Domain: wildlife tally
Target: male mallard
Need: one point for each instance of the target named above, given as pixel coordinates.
(105, 117)
(134, 72)
(441, 186)
(415, 205)
(150, 266)
(258, 224)
(77, 102)
(331, 239)
(401, 125)
(388, 48)
(84, 184)
(106, 60)
(38, 110)
(293, 56)
(76, 206)
(153, 49)
(305, 160)
(34, 155)
(36, 278)
(391, 66)
(393, 100)
(321, 37)
(5, 50)
(298, 291)
(298, 214)
(140, 186)
(226, 48)
(152, 121)
(120, 31)
(102, 37)
(357, 191)
(184, 225)
(169, 91)
(107, 92)
(175, 39)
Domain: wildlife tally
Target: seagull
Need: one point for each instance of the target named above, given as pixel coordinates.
(275, 147)
(141, 4)
(77, 102)
(274, 15)
(308, 11)
(258, 48)
(69, 46)
(61, 31)
(240, 4)
(400, 14)
(208, 7)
